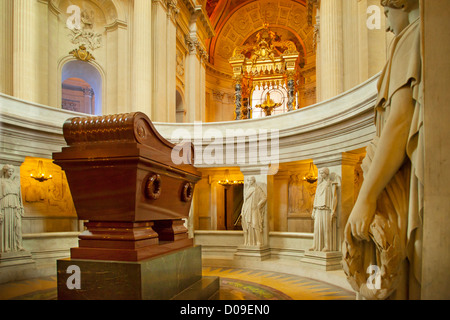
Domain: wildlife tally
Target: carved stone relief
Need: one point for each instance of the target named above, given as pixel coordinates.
(51, 197)
(84, 19)
(301, 195)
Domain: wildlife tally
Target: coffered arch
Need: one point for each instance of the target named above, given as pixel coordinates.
(238, 21)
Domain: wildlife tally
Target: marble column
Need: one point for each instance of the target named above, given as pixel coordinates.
(141, 90)
(193, 77)
(195, 72)
(436, 70)
(171, 69)
(117, 74)
(253, 250)
(24, 44)
(331, 49)
(160, 61)
(6, 53)
(54, 86)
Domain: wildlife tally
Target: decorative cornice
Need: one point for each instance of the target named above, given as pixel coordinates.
(197, 11)
(115, 25)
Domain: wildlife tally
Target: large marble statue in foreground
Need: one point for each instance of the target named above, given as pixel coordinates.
(385, 227)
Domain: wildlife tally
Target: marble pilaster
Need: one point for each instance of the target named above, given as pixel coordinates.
(141, 90)
(6, 53)
(164, 55)
(24, 44)
(331, 50)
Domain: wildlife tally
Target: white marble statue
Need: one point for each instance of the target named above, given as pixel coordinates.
(252, 213)
(324, 212)
(384, 228)
(11, 211)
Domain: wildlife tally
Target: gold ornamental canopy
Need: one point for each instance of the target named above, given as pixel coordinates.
(267, 63)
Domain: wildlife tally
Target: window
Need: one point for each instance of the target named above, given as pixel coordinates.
(81, 88)
(277, 94)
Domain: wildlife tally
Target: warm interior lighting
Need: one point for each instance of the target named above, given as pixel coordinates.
(41, 177)
(228, 181)
(311, 177)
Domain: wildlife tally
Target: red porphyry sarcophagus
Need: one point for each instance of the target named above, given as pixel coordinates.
(124, 183)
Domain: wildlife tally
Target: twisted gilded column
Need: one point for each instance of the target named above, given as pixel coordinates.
(331, 49)
(142, 57)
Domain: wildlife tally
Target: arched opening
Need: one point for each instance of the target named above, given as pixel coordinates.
(278, 99)
(78, 95)
(180, 113)
(81, 88)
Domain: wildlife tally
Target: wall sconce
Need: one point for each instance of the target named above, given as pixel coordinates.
(40, 173)
(310, 177)
(227, 182)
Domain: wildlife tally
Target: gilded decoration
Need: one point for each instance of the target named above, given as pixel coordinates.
(82, 54)
(269, 62)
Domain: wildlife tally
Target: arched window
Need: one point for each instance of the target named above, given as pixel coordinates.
(278, 96)
(81, 88)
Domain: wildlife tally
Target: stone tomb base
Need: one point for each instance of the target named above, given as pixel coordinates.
(323, 260)
(176, 275)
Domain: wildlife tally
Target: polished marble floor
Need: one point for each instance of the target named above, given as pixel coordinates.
(235, 284)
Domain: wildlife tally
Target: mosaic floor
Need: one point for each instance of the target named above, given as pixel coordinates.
(246, 284)
(235, 284)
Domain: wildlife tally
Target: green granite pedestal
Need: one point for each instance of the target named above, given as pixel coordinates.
(177, 275)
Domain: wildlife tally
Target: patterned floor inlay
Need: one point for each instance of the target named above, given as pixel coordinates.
(235, 284)
(246, 284)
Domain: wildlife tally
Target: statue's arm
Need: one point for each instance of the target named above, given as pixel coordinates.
(389, 157)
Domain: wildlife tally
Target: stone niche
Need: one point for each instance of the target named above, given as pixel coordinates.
(48, 204)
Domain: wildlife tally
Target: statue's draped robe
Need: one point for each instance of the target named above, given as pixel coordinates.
(324, 228)
(12, 211)
(396, 231)
(252, 219)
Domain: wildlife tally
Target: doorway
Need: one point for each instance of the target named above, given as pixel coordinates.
(233, 201)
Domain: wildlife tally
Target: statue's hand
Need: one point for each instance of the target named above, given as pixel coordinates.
(361, 217)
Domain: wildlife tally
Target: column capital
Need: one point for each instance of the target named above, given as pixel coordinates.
(259, 170)
(339, 159)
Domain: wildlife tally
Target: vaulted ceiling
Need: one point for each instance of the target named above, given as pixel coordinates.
(237, 21)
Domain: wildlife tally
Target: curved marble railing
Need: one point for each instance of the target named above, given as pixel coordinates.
(341, 124)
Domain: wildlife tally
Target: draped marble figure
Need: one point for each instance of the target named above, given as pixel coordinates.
(324, 212)
(253, 213)
(11, 211)
(385, 226)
